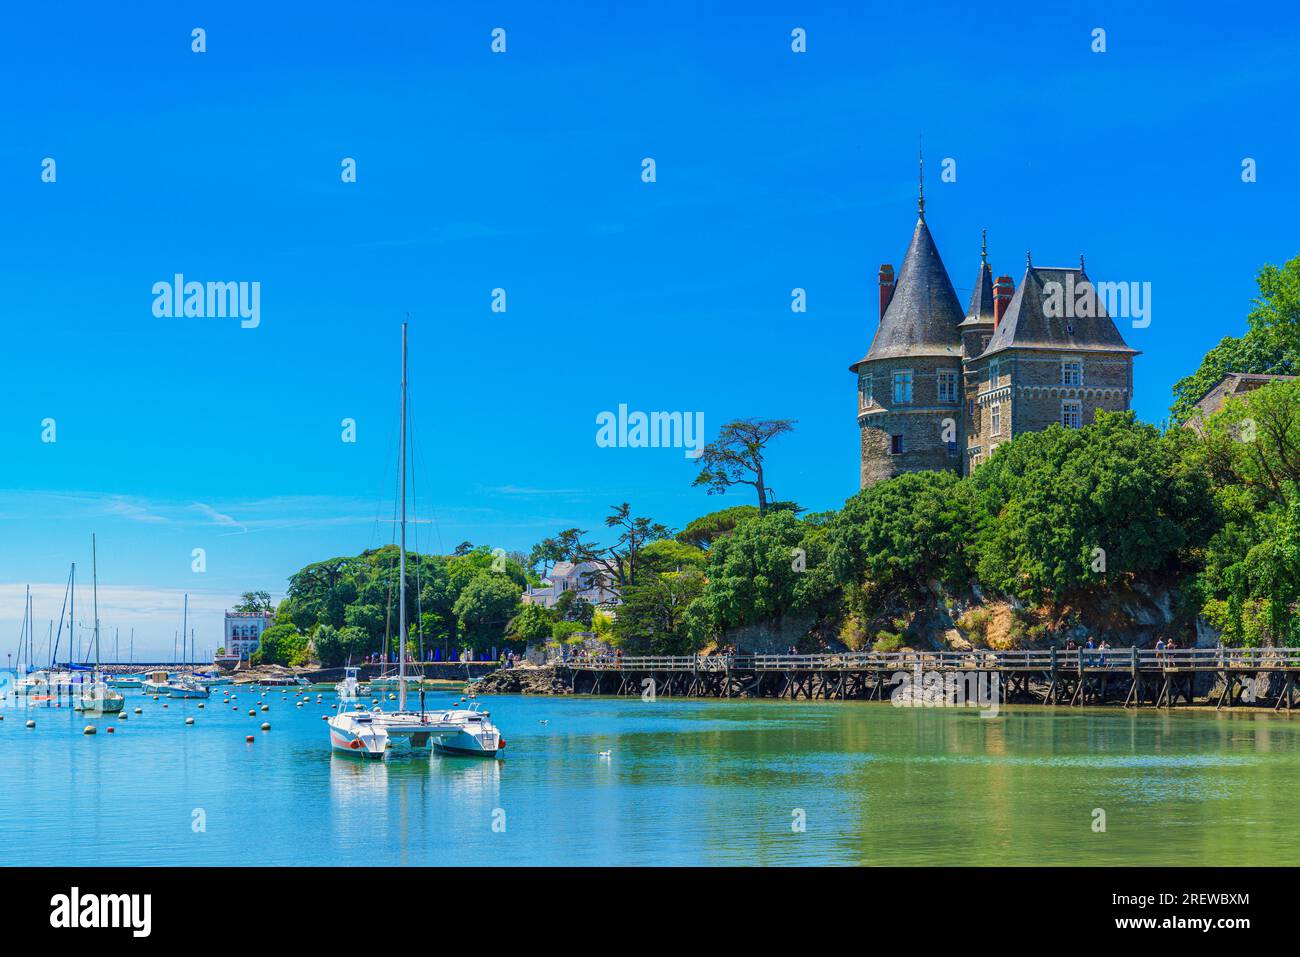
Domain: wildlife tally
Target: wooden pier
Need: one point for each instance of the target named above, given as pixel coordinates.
(1133, 677)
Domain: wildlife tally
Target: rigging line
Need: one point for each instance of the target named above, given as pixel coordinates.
(388, 601)
(433, 511)
(415, 515)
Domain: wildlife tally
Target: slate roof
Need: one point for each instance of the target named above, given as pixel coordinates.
(1026, 324)
(923, 313)
(980, 310)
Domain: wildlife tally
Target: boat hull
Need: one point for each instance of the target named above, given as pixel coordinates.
(463, 752)
(348, 736)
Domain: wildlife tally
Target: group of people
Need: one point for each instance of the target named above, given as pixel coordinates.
(1093, 653)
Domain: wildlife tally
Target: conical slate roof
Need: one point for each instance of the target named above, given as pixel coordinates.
(923, 313)
(1026, 324)
(980, 310)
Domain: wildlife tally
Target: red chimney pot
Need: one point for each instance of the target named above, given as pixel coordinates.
(886, 286)
(1003, 290)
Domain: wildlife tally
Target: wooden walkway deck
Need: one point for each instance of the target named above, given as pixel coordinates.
(1131, 676)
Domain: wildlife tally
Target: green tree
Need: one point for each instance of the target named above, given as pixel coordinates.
(736, 456)
(254, 602)
(653, 617)
(899, 534)
(766, 569)
(707, 529)
(1071, 510)
(1271, 344)
(668, 555)
(484, 607)
(281, 645)
(531, 623)
(616, 564)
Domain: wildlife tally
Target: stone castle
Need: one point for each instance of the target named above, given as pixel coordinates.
(941, 388)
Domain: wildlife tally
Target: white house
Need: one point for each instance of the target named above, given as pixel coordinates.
(243, 630)
(587, 579)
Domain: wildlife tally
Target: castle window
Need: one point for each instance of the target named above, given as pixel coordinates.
(1071, 372)
(1071, 413)
(995, 416)
(993, 373)
(864, 393)
(948, 385)
(903, 386)
(895, 445)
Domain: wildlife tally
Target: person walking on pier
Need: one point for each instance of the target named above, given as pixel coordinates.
(1087, 653)
(1160, 650)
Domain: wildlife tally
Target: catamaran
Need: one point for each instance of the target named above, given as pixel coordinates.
(96, 696)
(372, 733)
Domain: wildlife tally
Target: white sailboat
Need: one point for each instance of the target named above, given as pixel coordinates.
(96, 696)
(371, 733)
(185, 686)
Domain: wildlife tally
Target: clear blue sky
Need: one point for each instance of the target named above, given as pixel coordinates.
(522, 171)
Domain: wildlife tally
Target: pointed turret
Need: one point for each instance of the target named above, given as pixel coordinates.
(923, 312)
(977, 327)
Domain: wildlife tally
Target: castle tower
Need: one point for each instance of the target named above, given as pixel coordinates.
(1047, 363)
(909, 382)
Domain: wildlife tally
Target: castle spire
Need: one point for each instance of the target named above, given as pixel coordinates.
(920, 186)
(984, 247)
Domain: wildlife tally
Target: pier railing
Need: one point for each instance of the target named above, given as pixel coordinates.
(980, 659)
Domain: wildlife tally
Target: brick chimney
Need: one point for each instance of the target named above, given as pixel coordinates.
(1003, 290)
(886, 286)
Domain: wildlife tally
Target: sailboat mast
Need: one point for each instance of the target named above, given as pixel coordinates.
(72, 614)
(185, 623)
(401, 572)
(94, 587)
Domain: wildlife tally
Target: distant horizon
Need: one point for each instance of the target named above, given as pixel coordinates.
(499, 200)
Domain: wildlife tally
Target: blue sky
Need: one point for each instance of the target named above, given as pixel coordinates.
(522, 171)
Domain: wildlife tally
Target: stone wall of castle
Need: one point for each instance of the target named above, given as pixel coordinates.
(923, 424)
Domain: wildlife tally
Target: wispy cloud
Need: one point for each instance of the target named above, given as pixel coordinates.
(525, 490)
(218, 518)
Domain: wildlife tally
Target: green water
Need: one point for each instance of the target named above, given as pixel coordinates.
(685, 782)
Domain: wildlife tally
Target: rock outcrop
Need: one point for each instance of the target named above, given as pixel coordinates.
(541, 681)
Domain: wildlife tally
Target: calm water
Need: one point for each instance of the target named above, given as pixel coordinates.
(687, 782)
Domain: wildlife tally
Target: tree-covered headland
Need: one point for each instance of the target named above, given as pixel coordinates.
(1116, 530)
